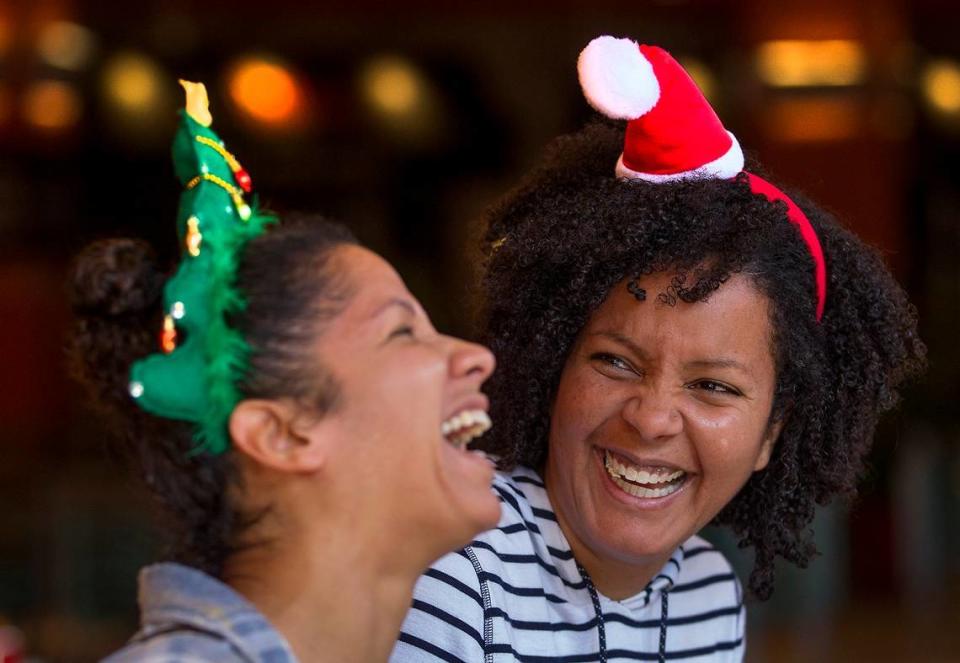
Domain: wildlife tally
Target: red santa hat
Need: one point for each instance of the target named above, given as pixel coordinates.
(672, 131)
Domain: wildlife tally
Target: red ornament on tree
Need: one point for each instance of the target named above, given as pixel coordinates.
(243, 179)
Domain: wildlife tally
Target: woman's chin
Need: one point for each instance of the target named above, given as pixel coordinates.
(480, 516)
(472, 505)
(488, 513)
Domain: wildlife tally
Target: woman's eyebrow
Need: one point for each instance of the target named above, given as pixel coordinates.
(720, 362)
(395, 301)
(626, 341)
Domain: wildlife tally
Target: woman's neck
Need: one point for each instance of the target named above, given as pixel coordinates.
(330, 593)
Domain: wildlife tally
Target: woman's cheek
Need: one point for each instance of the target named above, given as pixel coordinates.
(716, 443)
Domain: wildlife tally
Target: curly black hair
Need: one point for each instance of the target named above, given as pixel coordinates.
(291, 289)
(557, 244)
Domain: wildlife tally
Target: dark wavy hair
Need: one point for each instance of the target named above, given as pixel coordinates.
(292, 289)
(556, 246)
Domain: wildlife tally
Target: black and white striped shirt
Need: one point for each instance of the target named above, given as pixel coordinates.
(517, 594)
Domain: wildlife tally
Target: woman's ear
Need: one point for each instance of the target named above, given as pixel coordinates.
(273, 433)
(769, 440)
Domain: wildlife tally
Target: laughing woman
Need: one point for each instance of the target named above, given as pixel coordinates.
(290, 425)
(680, 344)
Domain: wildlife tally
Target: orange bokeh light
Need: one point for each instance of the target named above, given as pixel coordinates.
(6, 34)
(52, 105)
(266, 91)
(816, 119)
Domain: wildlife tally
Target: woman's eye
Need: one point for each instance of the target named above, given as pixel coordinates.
(715, 387)
(405, 330)
(613, 361)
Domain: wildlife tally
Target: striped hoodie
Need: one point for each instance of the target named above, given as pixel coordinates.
(517, 594)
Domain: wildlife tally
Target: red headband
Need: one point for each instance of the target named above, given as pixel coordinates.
(672, 132)
(761, 187)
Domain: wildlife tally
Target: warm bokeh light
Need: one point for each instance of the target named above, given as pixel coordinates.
(265, 90)
(134, 83)
(392, 86)
(941, 86)
(11, 643)
(51, 105)
(66, 45)
(703, 76)
(6, 33)
(811, 63)
(401, 101)
(810, 120)
(139, 101)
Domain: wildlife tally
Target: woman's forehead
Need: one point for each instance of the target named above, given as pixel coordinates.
(733, 320)
(374, 286)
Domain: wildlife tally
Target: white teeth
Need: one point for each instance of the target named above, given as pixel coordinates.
(465, 426)
(627, 478)
(639, 491)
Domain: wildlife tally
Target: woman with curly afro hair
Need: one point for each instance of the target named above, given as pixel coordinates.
(679, 343)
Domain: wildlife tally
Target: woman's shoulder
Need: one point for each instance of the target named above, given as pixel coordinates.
(188, 616)
(698, 554)
(177, 645)
(527, 520)
(705, 570)
(520, 491)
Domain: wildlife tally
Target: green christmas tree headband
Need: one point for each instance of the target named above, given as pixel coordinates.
(202, 359)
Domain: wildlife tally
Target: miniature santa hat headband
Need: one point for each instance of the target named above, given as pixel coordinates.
(672, 132)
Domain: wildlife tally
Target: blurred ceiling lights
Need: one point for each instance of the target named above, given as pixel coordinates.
(392, 86)
(401, 101)
(66, 45)
(817, 119)
(940, 83)
(266, 90)
(133, 83)
(139, 100)
(408, 107)
(6, 34)
(51, 105)
(811, 63)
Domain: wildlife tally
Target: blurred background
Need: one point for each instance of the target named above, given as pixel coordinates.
(406, 120)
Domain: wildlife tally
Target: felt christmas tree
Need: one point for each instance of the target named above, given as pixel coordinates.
(194, 377)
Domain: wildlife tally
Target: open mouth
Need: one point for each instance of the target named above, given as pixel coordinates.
(643, 481)
(463, 427)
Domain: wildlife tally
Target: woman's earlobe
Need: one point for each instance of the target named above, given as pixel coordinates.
(271, 433)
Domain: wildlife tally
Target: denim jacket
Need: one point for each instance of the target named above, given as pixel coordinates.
(187, 616)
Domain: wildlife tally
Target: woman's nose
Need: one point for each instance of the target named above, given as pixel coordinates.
(471, 360)
(653, 415)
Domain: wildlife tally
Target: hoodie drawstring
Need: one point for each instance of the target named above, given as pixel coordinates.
(601, 629)
(664, 610)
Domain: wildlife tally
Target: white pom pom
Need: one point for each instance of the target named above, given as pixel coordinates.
(616, 79)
